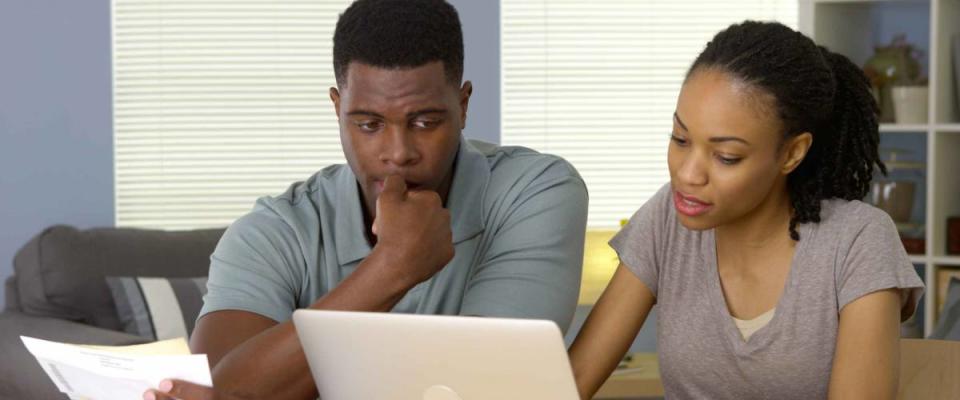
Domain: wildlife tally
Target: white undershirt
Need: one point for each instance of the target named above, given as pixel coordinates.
(749, 327)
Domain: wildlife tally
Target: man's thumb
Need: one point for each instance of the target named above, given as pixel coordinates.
(394, 185)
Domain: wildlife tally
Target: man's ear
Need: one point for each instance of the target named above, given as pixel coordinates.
(795, 150)
(465, 91)
(335, 97)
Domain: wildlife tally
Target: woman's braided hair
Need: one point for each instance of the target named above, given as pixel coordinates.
(815, 91)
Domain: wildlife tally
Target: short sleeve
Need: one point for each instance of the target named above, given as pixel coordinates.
(257, 267)
(640, 241)
(533, 266)
(878, 261)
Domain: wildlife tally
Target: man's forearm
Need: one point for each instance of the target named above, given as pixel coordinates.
(272, 364)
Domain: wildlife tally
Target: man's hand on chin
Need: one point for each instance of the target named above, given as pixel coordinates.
(173, 389)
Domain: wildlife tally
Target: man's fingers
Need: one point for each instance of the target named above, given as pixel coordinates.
(430, 197)
(394, 190)
(173, 389)
(394, 185)
(156, 395)
(189, 391)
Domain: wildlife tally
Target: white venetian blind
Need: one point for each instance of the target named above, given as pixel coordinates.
(218, 102)
(596, 82)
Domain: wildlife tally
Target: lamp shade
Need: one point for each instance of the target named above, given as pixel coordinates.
(599, 264)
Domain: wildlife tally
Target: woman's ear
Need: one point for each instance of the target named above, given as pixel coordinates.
(795, 150)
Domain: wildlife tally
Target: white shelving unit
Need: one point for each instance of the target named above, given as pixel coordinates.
(853, 28)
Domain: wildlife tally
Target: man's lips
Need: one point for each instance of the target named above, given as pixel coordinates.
(689, 205)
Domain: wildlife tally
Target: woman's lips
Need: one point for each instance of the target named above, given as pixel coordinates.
(689, 205)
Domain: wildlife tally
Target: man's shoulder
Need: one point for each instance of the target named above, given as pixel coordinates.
(301, 204)
(522, 164)
(321, 184)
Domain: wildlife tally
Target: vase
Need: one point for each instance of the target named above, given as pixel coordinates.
(891, 64)
(910, 104)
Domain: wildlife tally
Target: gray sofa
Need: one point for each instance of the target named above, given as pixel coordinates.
(58, 291)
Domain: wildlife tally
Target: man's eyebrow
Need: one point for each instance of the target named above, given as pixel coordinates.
(412, 114)
(418, 113)
(365, 113)
(679, 121)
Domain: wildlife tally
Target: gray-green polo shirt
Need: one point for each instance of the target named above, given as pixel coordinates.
(518, 220)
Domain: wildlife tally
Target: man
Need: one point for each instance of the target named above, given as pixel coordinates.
(422, 221)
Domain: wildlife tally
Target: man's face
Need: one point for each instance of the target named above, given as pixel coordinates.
(403, 122)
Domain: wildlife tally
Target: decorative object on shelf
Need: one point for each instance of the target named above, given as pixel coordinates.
(893, 196)
(894, 193)
(913, 245)
(890, 65)
(910, 104)
(953, 235)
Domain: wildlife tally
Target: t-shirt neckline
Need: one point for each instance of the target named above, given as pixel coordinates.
(762, 336)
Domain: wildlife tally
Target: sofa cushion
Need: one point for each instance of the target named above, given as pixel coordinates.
(158, 308)
(60, 272)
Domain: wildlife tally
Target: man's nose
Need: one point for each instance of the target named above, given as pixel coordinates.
(400, 148)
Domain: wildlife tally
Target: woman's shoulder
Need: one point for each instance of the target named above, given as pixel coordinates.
(849, 218)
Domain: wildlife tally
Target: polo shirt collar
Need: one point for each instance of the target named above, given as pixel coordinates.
(465, 201)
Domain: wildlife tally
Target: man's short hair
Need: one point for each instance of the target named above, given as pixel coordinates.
(399, 34)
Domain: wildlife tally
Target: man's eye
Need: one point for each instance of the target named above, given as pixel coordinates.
(369, 126)
(425, 123)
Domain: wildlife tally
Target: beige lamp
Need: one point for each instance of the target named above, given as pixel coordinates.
(599, 264)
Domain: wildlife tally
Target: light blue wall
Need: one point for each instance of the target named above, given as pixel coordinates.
(56, 140)
(56, 144)
(481, 37)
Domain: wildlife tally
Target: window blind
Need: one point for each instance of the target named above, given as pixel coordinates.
(596, 83)
(216, 103)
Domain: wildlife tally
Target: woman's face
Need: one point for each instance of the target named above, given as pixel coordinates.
(725, 155)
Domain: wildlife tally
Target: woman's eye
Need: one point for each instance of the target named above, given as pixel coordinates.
(678, 140)
(728, 160)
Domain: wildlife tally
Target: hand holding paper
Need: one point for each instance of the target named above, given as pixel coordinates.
(121, 373)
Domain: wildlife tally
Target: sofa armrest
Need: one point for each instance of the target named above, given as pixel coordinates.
(11, 297)
(20, 375)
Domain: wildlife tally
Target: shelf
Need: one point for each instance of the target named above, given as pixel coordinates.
(918, 258)
(947, 128)
(904, 128)
(854, 28)
(946, 261)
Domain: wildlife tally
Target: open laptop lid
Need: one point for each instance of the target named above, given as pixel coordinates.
(401, 356)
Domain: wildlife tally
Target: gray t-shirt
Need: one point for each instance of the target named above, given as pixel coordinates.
(854, 250)
(517, 218)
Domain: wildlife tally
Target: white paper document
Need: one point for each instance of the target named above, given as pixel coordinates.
(117, 373)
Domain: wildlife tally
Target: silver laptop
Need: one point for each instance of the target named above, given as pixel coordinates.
(423, 357)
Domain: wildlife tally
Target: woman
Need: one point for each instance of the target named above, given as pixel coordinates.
(772, 279)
